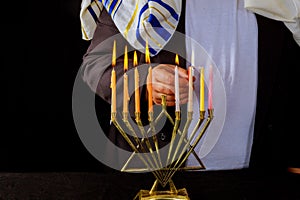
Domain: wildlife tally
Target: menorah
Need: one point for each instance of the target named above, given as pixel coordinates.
(144, 142)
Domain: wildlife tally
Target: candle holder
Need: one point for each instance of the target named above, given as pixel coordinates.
(163, 163)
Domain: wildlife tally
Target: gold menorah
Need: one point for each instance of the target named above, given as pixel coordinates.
(162, 162)
(179, 149)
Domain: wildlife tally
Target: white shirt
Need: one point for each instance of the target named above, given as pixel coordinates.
(228, 34)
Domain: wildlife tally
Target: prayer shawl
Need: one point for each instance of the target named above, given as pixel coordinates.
(287, 11)
(139, 21)
(155, 21)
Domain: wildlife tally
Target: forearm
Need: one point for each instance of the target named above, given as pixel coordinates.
(96, 66)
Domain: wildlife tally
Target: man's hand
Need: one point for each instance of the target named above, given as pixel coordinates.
(163, 84)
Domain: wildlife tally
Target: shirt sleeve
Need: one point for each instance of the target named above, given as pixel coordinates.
(96, 66)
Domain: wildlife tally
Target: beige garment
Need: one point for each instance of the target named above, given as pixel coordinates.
(287, 11)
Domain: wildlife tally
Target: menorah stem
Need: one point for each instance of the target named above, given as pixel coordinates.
(202, 115)
(183, 135)
(173, 123)
(172, 187)
(192, 135)
(211, 113)
(125, 136)
(128, 125)
(203, 130)
(145, 137)
(164, 102)
(179, 162)
(154, 187)
(142, 130)
(176, 125)
(164, 110)
(139, 143)
(152, 128)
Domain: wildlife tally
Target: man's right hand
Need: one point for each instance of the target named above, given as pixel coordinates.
(163, 84)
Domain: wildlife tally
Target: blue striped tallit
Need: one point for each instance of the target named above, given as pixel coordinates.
(138, 21)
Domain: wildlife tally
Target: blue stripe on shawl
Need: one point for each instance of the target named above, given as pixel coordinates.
(158, 27)
(106, 2)
(117, 8)
(169, 8)
(138, 35)
(92, 12)
(112, 6)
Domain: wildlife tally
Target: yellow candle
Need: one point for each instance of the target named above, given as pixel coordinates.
(136, 83)
(149, 84)
(202, 84)
(210, 87)
(125, 89)
(113, 81)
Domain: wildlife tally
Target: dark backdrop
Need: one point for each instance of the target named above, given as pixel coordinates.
(43, 51)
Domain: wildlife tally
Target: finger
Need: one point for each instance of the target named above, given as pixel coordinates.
(163, 89)
(183, 82)
(164, 78)
(167, 85)
(158, 96)
(183, 96)
(183, 73)
(168, 103)
(184, 99)
(164, 67)
(170, 99)
(183, 90)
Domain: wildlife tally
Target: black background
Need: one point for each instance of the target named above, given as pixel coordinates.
(43, 51)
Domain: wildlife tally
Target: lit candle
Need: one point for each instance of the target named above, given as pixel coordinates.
(149, 84)
(113, 81)
(125, 89)
(177, 98)
(202, 84)
(210, 87)
(136, 83)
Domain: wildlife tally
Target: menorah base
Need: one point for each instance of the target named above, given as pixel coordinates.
(154, 194)
(162, 195)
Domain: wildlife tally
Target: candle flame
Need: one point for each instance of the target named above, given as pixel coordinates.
(176, 59)
(135, 62)
(114, 54)
(147, 54)
(125, 59)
